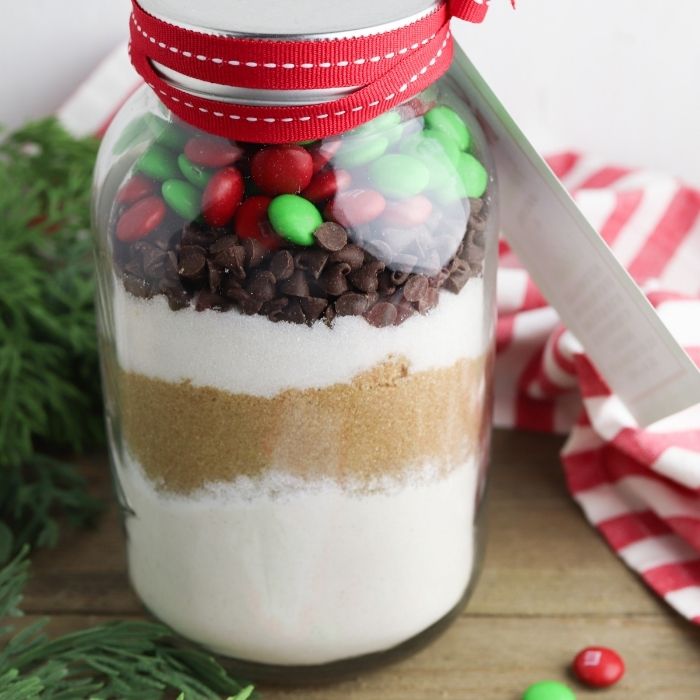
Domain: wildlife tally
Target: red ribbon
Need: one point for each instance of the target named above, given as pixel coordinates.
(390, 68)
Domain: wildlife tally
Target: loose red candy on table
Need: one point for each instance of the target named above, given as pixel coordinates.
(408, 212)
(598, 667)
(282, 169)
(356, 207)
(325, 184)
(212, 153)
(222, 196)
(140, 219)
(135, 188)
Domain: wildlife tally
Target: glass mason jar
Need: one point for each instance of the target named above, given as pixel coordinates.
(296, 346)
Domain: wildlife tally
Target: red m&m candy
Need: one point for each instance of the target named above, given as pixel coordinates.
(222, 196)
(251, 222)
(325, 184)
(412, 211)
(282, 169)
(356, 207)
(211, 152)
(140, 219)
(322, 153)
(598, 667)
(137, 187)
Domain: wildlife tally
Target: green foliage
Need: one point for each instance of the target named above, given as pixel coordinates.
(117, 661)
(48, 366)
(49, 379)
(50, 402)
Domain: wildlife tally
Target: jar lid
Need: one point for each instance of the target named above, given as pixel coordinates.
(300, 18)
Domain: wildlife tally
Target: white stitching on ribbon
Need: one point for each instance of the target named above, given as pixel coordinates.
(286, 120)
(288, 66)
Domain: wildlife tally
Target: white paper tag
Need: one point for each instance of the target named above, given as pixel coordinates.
(578, 274)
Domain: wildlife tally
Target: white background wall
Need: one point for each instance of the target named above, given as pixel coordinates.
(620, 78)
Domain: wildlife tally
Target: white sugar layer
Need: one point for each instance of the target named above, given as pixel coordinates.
(306, 575)
(252, 355)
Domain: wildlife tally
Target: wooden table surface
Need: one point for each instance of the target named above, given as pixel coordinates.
(549, 587)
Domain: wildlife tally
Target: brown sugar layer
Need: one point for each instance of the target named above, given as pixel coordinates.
(382, 424)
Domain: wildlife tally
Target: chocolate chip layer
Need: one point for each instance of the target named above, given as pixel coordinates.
(384, 274)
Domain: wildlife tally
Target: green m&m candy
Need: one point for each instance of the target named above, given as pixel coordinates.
(196, 174)
(183, 198)
(294, 218)
(399, 175)
(445, 119)
(548, 690)
(449, 147)
(167, 133)
(435, 156)
(473, 175)
(359, 150)
(158, 163)
(379, 125)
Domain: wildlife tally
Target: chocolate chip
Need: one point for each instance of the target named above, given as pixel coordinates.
(209, 300)
(398, 277)
(429, 300)
(386, 285)
(296, 285)
(255, 252)
(282, 265)
(329, 315)
(262, 286)
(293, 312)
(192, 234)
(313, 307)
(331, 236)
(245, 301)
(382, 314)
(415, 288)
(273, 309)
(313, 261)
(352, 255)
(229, 255)
(366, 279)
(404, 310)
(333, 280)
(475, 254)
(176, 295)
(170, 266)
(459, 276)
(477, 223)
(214, 276)
(137, 286)
(134, 268)
(351, 304)
(192, 262)
(152, 259)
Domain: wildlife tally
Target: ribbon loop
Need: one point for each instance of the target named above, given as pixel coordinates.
(380, 71)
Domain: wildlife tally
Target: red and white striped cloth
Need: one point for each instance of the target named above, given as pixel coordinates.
(640, 488)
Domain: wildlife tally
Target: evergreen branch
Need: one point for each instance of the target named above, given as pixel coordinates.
(50, 401)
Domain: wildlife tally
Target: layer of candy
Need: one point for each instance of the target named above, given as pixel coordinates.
(383, 423)
(301, 573)
(250, 355)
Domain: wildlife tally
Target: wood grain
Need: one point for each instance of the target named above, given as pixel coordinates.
(549, 587)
